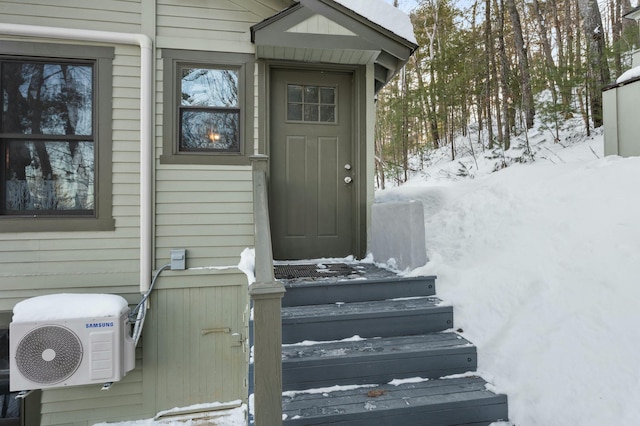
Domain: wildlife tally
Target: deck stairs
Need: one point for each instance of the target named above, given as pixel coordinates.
(405, 367)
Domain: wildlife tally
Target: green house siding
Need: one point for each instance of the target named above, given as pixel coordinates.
(35, 263)
(191, 340)
(222, 27)
(207, 209)
(107, 15)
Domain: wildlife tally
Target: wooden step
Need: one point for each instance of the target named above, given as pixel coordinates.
(367, 319)
(455, 401)
(357, 290)
(377, 360)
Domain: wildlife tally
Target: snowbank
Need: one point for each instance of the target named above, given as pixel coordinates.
(541, 263)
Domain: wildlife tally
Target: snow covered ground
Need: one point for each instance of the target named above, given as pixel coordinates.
(541, 263)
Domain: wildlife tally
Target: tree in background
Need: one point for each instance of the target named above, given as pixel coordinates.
(480, 66)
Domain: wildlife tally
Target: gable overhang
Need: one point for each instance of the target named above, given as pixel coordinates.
(325, 31)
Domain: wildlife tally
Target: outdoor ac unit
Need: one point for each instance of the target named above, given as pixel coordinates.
(69, 352)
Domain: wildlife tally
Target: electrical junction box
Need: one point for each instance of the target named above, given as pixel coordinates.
(178, 259)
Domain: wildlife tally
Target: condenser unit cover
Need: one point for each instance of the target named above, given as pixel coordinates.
(59, 351)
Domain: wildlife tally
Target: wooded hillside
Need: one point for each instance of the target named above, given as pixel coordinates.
(486, 69)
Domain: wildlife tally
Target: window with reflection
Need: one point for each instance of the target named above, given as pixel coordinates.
(47, 137)
(311, 104)
(209, 110)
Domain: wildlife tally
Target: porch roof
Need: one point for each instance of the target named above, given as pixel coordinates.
(327, 31)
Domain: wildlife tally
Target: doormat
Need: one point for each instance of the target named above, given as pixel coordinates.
(322, 270)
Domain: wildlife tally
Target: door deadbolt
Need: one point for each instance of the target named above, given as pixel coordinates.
(347, 166)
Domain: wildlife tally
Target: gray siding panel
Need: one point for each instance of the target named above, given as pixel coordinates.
(107, 15)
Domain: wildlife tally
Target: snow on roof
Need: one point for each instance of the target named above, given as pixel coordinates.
(69, 306)
(382, 13)
(629, 75)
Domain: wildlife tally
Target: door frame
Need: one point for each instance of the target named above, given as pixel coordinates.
(359, 202)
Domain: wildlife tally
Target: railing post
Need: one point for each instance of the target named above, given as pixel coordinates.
(267, 352)
(266, 294)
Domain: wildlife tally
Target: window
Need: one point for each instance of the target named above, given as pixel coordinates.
(206, 107)
(311, 104)
(55, 130)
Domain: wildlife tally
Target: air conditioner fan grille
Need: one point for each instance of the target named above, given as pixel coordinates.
(49, 354)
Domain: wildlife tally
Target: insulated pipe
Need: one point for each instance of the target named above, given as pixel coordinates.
(146, 99)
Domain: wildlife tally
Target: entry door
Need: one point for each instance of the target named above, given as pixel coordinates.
(312, 171)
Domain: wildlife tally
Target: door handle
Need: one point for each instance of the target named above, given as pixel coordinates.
(348, 180)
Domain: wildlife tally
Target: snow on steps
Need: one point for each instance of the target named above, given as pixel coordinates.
(377, 360)
(406, 337)
(380, 318)
(457, 401)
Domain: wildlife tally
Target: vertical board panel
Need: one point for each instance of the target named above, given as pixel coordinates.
(196, 357)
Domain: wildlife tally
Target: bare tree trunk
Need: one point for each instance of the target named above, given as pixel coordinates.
(422, 93)
(546, 48)
(496, 88)
(523, 63)
(629, 27)
(405, 126)
(504, 78)
(488, 44)
(598, 69)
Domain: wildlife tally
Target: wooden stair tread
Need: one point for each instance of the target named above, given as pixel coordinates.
(439, 400)
(376, 360)
(398, 347)
(380, 308)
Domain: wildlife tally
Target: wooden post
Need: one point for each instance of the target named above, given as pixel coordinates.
(266, 294)
(267, 352)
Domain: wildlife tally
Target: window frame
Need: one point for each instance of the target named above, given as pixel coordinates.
(173, 61)
(102, 59)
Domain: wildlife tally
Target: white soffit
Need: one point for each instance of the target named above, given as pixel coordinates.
(318, 24)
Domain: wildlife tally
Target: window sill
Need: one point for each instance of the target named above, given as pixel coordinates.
(212, 159)
(15, 224)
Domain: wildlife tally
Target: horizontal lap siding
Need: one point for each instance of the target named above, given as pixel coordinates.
(32, 264)
(40, 263)
(221, 25)
(207, 210)
(104, 15)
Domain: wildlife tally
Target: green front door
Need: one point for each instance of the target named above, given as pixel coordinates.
(312, 170)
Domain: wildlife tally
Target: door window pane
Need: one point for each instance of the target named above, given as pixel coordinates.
(294, 93)
(311, 113)
(328, 95)
(311, 104)
(328, 113)
(311, 94)
(294, 112)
